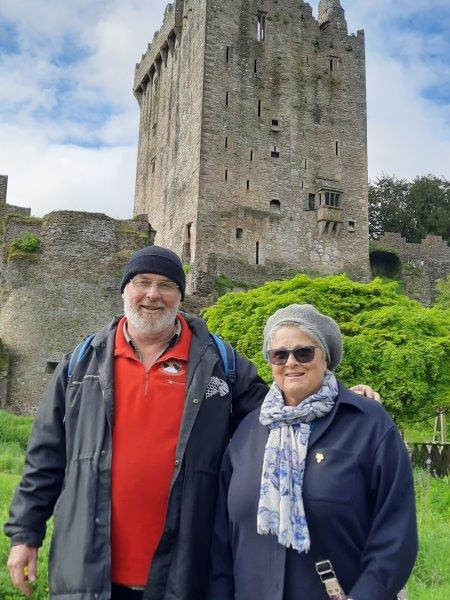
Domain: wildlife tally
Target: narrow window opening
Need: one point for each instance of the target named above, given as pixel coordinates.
(338, 149)
(307, 59)
(275, 152)
(51, 367)
(302, 185)
(228, 54)
(311, 202)
(255, 66)
(257, 253)
(227, 98)
(275, 123)
(186, 258)
(239, 233)
(275, 206)
(248, 184)
(351, 226)
(305, 163)
(259, 107)
(226, 174)
(226, 142)
(251, 155)
(261, 29)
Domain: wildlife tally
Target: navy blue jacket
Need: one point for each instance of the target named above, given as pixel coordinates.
(359, 504)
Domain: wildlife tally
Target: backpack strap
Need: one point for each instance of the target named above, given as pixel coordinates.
(78, 354)
(228, 356)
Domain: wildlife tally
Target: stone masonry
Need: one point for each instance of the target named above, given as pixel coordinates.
(252, 158)
(53, 297)
(419, 266)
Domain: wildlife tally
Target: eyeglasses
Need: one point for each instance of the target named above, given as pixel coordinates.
(165, 288)
(302, 354)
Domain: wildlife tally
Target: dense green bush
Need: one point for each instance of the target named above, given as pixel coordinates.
(15, 430)
(391, 342)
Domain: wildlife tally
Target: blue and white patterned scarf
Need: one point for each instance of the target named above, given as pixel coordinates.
(280, 509)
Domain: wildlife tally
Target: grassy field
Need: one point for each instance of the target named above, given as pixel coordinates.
(430, 580)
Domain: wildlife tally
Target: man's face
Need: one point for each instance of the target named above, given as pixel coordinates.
(151, 302)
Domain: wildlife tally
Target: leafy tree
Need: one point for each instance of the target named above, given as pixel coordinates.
(391, 342)
(413, 209)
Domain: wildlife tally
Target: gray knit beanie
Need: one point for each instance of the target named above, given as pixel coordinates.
(321, 328)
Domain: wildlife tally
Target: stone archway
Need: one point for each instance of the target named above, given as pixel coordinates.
(385, 263)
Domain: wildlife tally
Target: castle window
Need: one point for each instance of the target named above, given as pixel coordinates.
(261, 29)
(257, 253)
(226, 174)
(351, 226)
(51, 367)
(302, 185)
(153, 164)
(259, 107)
(307, 59)
(334, 64)
(305, 163)
(248, 184)
(332, 199)
(226, 142)
(229, 54)
(338, 148)
(227, 98)
(186, 257)
(311, 202)
(275, 126)
(275, 152)
(251, 155)
(275, 206)
(255, 66)
(239, 233)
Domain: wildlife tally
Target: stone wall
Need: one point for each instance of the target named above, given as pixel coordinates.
(421, 265)
(54, 297)
(8, 209)
(282, 121)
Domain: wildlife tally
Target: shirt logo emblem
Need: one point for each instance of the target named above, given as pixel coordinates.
(217, 386)
(171, 367)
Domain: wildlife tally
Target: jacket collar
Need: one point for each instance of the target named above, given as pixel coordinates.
(346, 400)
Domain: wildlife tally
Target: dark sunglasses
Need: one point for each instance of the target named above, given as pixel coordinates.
(302, 354)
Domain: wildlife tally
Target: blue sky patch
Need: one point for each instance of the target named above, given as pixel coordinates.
(8, 37)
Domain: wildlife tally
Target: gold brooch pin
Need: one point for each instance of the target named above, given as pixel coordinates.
(320, 457)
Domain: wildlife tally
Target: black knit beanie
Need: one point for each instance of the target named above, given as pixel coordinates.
(160, 261)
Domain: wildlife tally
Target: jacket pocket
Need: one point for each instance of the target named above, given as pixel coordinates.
(330, 475)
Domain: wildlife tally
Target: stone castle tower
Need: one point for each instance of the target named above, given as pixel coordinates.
(252, 159)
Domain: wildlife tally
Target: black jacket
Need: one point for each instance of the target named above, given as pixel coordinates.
(359, 504)
(68, 462)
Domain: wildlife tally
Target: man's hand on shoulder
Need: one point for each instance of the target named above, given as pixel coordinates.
(22, 565)
(366, 390)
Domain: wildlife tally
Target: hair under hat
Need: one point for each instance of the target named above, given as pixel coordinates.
(318, 326)
(154, 259)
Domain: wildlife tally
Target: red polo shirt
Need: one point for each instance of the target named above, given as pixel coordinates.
(148, 407)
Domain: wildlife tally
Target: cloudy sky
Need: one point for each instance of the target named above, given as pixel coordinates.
(68, 120)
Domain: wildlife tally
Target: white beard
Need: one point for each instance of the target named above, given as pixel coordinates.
(148, 324)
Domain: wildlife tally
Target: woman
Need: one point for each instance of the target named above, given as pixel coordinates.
(318, 474)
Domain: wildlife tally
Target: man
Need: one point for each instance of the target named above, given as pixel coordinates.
(126, 451)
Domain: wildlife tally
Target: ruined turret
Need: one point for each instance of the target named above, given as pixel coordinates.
(331, 12)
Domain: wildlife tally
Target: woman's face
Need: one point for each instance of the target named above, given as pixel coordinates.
(297, 380)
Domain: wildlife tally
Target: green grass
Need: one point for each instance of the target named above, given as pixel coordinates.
(429, 581)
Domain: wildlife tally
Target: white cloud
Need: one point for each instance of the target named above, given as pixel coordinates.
(69, 122)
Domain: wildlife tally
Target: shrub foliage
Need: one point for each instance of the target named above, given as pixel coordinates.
(391, 342)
